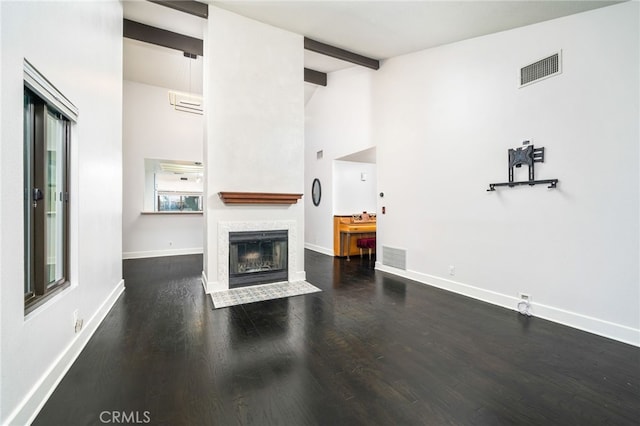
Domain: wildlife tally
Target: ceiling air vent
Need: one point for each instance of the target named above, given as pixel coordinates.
(539, 70)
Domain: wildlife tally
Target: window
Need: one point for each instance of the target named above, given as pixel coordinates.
(173, 186)
(175, 202)
(47, 127)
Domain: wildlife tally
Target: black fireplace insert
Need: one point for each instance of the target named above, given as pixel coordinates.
(258, 257)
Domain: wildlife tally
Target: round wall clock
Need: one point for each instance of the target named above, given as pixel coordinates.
(316, 192)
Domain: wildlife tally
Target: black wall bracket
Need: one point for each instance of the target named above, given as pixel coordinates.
(529, 156)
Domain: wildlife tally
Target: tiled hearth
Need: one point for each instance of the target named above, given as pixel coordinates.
(259, 293)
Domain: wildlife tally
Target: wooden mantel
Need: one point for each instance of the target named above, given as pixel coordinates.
(258, 198)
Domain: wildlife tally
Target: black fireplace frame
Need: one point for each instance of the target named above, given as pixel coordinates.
(262, 277)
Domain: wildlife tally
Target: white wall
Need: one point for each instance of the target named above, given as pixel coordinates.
(338, 122)
(443, 121)
(1, 210)
(153, 129)
(84, 64)
(351, 193)
(254, 98)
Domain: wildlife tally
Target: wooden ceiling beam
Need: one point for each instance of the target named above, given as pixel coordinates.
(195, 8)
(315, 77)
(189, 45)
(336, 52)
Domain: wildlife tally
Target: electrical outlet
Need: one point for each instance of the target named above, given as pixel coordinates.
(77, 322)
(524, 305)
(452, 270)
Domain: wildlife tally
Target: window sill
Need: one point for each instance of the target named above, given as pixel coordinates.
(171, 213)
(36, 302)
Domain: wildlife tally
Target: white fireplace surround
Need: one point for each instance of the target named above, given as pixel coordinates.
(224, 228)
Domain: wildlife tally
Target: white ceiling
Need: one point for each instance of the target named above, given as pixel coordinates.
(384, 29)
(163, 17)
(378, 29)
(366, 156)
(157, 65)
(161, 66)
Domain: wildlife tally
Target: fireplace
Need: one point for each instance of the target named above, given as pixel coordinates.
(258, 257)
(226, 228)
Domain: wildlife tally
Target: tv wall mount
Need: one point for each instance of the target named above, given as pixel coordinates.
(527, 155)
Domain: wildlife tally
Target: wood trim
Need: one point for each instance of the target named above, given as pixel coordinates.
(258, 198)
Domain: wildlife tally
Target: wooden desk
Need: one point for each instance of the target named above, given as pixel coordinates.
(343, 228)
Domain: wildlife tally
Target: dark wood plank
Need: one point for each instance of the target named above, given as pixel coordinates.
(370, 349)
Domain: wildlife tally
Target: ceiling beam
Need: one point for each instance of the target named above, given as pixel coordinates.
(315, 77)
(137, 31)
(201, 10)
(336, 52)
(192, 46)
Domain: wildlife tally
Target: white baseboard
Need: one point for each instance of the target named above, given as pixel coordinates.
(33, 402)
(211, 286)
(161, 253)
(586, 323)
(589, 324)
(319, 249)
(205, 282)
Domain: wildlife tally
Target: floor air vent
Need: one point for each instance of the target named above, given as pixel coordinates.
(541, 69)
(394, 257)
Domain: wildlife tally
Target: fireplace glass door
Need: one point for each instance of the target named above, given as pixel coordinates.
(257, 257)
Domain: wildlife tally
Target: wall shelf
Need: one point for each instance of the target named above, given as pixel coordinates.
(259, 198)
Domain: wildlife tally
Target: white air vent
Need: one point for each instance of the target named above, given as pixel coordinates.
(186, 102)
(396, 258)
(539, 70)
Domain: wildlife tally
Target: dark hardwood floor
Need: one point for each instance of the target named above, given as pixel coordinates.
(370, 349)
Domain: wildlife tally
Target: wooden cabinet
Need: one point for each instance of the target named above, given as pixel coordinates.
(346, 232)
